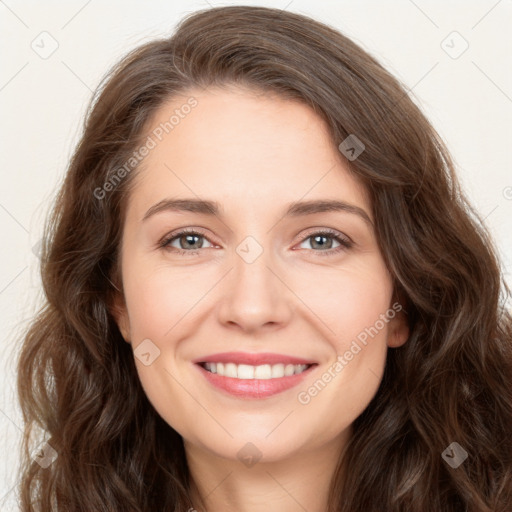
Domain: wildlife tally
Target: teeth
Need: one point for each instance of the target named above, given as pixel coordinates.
(264, 371)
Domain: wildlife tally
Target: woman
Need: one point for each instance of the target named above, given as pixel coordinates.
(205, 345)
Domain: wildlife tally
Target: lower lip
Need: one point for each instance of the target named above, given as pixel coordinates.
(254, 388)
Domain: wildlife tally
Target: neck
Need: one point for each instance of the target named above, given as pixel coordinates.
(300, 482)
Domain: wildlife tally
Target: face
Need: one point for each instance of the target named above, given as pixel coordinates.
(254, 279)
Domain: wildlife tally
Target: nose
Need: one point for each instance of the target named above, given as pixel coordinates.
(254, 295)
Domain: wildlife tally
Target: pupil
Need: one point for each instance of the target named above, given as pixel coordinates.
(315, 238)
(189, 237)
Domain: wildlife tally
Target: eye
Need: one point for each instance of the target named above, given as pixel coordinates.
(190, 239)
(319, 240)
(185, 238)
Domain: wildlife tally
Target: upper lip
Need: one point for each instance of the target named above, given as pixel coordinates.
(252, 359)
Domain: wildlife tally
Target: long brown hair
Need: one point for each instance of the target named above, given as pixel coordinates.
(450, 382)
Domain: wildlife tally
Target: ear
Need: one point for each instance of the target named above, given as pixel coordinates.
(398, 332)
(398, 326)
(120, 313)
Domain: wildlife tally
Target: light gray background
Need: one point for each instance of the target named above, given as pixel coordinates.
(468, 98)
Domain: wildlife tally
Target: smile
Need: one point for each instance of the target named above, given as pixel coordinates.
(253, 382)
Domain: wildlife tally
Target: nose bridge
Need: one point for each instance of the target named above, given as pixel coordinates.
(255, 295)
(252, 274)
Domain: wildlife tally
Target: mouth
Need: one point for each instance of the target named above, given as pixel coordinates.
(250, 372)
(253, 382)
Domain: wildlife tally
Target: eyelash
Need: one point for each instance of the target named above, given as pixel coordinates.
(345, 243)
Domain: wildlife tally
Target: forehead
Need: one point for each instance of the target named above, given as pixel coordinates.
(242, 147)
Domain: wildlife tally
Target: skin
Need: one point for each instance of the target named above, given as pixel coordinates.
(254, 154)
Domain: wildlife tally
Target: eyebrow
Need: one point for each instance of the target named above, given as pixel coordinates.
(296, 209)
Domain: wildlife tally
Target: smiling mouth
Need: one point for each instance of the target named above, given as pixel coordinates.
(247, 382)
(260, 372)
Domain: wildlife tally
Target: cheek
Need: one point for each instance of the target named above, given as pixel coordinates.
(158, 299)
(348, 299)
(354, 306)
